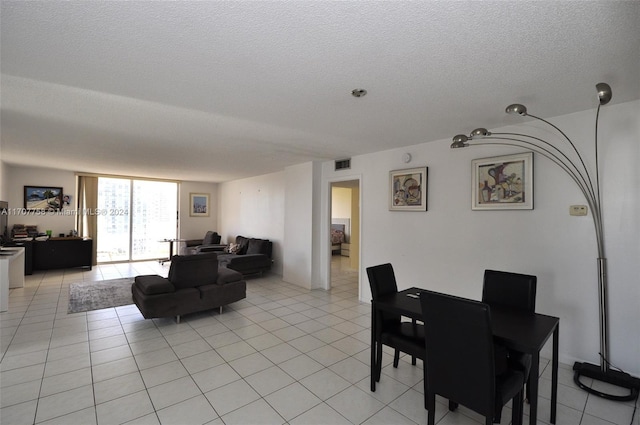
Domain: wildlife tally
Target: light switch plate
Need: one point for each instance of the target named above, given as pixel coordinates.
(578, 210)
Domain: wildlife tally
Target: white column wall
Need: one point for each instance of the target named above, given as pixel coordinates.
(301, 251)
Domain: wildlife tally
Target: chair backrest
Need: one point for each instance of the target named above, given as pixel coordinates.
(211, 238)
(459, 350)
(189, 271)
(382, 280)
(511, 290)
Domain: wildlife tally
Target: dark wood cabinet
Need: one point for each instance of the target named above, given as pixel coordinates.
(62, 253)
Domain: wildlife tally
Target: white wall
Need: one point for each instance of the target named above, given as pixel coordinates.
(18, 177)
(254, 207)
(448, 247)
(196, 227)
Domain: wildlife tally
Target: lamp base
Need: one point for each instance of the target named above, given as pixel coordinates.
(613, 377)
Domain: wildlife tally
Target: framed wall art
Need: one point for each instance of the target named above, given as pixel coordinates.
(502, 182)
(408, 189)
(42, 198)
(199, 204)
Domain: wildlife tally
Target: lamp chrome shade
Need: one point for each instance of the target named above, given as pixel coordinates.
(516, 108)
(479, 132)
(459, 141)
(604, 93)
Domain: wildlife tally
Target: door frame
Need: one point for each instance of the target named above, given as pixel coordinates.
(326, 226)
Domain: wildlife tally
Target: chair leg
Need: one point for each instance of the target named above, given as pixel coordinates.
(453, 406)
(425, 390)
(413, 358)
(528, 391)
(378, 361)
(431, 414)
(178, 319)
(498, 416)
(517, 409)
(396, 358)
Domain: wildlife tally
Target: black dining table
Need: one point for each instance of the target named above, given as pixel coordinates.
(521, 331)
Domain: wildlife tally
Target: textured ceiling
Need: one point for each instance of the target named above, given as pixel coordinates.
(214, 91)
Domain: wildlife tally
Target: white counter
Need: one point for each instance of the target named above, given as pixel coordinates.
(11, 273)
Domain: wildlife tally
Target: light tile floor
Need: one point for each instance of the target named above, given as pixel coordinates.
(283, 355)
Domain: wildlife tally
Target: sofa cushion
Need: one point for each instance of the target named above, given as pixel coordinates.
(257, 246)
(153, 284)
(189, 271)
(228, 276)
(244, 244)
(217, 295)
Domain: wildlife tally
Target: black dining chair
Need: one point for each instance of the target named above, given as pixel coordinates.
(512, 291)
(460, 364)
(407, 337)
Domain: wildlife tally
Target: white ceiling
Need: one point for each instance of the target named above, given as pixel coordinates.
(215, 91)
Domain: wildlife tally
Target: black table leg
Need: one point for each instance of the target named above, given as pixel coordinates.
(554, 375)
(534, 376)
(373, 347)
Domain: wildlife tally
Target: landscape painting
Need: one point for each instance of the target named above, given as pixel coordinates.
(42, 198)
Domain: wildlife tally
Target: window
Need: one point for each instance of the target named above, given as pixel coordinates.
(133, 217)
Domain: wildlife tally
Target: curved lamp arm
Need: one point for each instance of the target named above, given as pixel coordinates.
(580, 176)
(572, 172)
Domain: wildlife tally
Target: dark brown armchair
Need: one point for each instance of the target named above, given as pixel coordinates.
(210, 242)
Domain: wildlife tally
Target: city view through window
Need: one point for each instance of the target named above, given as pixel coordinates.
(134, 216)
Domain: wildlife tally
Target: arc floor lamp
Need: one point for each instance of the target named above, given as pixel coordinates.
(567, 156)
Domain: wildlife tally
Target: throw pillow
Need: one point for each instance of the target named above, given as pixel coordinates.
(256, 246)
(233, 248)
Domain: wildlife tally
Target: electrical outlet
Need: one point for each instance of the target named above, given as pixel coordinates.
(578, 210)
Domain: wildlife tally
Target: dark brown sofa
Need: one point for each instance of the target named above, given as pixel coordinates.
(195, 283)
(253, 256)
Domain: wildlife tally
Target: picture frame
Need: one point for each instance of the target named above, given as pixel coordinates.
(199, 204)
(408, 189)
(502, 182)
(42, 198)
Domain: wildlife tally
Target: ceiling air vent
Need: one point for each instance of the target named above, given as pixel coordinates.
(343, 164)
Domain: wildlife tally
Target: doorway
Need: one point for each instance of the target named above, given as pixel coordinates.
(345, 237)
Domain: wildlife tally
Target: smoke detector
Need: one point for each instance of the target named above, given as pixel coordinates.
(358, 92)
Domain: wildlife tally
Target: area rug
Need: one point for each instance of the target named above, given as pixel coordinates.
(89, 296)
